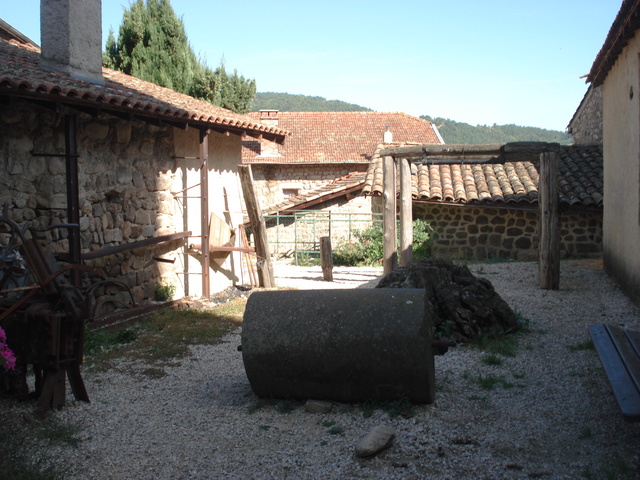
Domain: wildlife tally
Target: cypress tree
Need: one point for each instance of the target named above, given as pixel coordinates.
(153, 45)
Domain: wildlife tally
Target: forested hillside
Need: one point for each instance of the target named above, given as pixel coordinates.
(451, 131)
(286, 102)
(457, 132)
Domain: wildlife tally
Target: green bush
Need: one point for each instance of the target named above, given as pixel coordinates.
(367, 246)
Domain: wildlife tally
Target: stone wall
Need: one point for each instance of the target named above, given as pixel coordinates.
(127, 172)
(302, 230)
(270, 179)
(586, 124)
(479, 233)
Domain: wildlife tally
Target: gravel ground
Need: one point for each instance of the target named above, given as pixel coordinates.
(553, 416)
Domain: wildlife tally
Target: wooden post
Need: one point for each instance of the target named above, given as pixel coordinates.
(73, 197)
(406, 217)
(204, 210)
(389, 236)
(549, 222)
(265, 267)
(326, 259)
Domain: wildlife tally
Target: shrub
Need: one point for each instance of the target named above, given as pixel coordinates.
(368, 245)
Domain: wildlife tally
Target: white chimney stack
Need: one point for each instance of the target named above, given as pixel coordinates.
(71, 38)
(388, 136)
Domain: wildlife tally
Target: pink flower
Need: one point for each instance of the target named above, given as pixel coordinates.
(7, 358)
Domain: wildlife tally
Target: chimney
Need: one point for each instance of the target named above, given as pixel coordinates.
(267, 147)
(388, 136)
(71, 38)
(269, 117)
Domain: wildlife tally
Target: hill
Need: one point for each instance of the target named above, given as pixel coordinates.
(458, 132)
(286, 102)
(451, 131)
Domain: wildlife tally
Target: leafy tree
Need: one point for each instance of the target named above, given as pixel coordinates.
(152, 45)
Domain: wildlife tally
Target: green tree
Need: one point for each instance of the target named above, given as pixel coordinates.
(152, 45)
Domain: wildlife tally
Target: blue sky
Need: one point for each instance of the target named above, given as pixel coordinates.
(473, 61)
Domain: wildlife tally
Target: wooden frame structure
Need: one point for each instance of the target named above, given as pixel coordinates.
(399, 158)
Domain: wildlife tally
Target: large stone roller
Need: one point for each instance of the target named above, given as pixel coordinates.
(340, 345)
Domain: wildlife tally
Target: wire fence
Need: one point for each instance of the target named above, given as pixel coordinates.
(298, 233)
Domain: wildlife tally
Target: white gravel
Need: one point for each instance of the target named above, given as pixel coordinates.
(557, 418)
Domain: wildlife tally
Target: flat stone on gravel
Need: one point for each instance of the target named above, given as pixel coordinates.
(377, 440)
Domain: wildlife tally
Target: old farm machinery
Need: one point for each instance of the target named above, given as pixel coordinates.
(43, 313)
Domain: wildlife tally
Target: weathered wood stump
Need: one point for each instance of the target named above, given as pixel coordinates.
(463, 306)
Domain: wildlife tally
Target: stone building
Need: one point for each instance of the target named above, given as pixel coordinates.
(616, 72)
(135, 167)
(311, 186)
(586, 124)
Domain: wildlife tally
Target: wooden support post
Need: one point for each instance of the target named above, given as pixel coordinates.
(389, 236)
(549, 222)
(265, 267)
(204, 211)
(73, 197)
(406, 216)
(326, 259)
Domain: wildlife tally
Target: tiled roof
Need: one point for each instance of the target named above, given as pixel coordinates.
(21, 75)
(338, 137)
(581, 180)
(348, 184)
(624, 27)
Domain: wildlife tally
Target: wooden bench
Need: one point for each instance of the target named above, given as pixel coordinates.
(619, 352)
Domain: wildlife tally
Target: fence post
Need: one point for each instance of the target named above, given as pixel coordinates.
(326, 259)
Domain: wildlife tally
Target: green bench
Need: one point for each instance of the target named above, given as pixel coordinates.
(619, 352)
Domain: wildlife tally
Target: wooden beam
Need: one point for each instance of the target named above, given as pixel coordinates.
(549, 222)
(389, 234)
(204, 210)
(265, 267)
(497, 152)
(406, 214)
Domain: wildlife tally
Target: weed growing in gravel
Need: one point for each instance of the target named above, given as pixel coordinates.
(281, 406)
(491, 359)
(616, 468)
(24, 438)
(585, 432)
(586, 345)
(333, 429)
(401, 407)
(163, 337)
(489, 382)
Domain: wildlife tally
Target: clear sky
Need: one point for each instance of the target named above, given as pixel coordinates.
(475, 61)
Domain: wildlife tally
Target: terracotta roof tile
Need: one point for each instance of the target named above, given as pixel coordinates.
(581, 180)
(350, 183)
(339, 137)
(21, 75)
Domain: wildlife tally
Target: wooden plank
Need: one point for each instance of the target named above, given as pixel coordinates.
(627, 353)
(622, 384)
(266, 277)
(125, 247)
(220, 235)
(389, 234)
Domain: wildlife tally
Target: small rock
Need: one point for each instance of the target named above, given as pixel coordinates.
(375, 441)
(318, 406)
